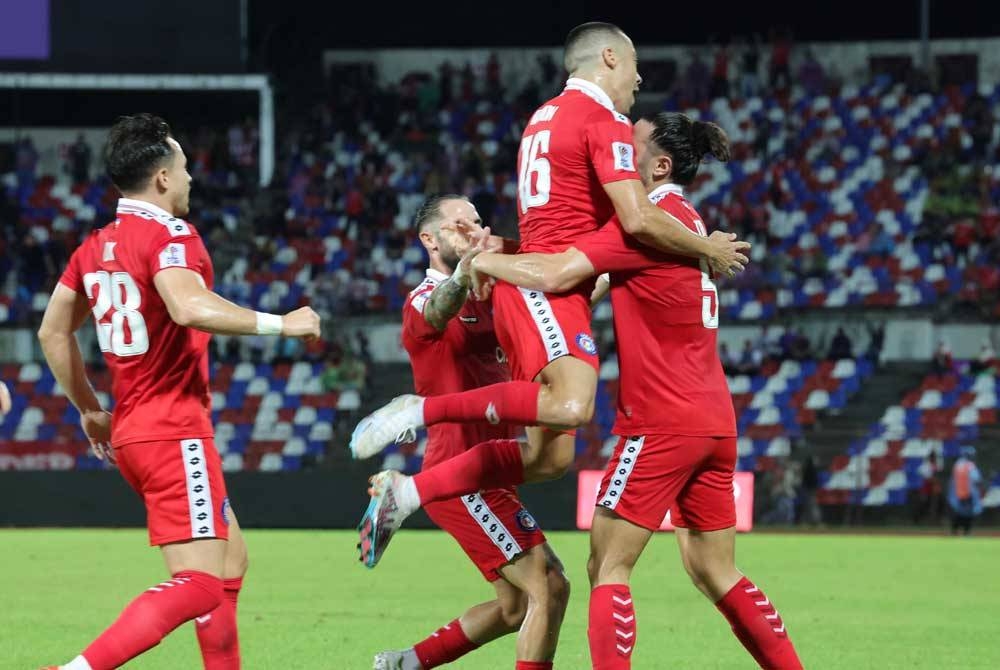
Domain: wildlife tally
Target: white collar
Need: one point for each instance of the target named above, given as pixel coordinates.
(436, 275)
(591, 89)
(125, 204)
(663, 190)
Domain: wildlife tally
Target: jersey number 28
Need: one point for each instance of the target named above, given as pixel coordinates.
(117, 291)
(535, 167)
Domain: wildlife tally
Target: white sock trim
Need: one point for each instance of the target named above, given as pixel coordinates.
(78, 663)
(409, 497)
(418, 414)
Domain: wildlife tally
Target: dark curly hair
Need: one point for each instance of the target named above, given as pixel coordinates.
(137, 146)
(687, 142)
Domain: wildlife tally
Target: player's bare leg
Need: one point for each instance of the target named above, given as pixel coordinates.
(709, 558)
(539, 575)
(615, 547)
(488, 621)
(217, 631)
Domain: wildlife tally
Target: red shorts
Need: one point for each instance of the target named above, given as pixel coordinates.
(492, 527)
(535, 328)
(181, 483)
(691, 477)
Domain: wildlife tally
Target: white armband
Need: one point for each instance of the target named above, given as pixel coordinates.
(269, 324)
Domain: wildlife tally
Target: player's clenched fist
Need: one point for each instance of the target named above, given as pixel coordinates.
(303, 322)
(727, 256)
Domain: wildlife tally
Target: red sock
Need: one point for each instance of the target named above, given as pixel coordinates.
(509, 402)
(533, 665)
(612, 626)
(493, 464)
(444, 646)
(758, 626)
(217, 632)
(151, 616)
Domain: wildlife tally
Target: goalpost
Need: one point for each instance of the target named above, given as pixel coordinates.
(167, 82)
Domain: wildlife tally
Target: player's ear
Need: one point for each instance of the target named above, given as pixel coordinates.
(161, 179)
(427, 239)
(664, 167)
(609, 57)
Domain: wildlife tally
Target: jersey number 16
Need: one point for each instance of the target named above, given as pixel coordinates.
(534, 167)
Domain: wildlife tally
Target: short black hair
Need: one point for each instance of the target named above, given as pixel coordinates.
(687, 142)
(431, 209)
(137, 146)
(580, 39)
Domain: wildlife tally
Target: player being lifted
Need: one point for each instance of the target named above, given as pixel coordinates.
(577, 169)
(677, 449)
(146, 278)
(452, 347)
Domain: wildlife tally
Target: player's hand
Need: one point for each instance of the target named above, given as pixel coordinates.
(726, 257)
(96, 426)
(303, 322)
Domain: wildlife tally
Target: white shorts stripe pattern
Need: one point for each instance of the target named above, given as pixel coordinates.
(201, 509)
(492, 526)
(626, 462)
(548, 328)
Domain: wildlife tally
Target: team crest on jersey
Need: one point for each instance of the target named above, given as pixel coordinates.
(624, 154)
(224, 511)
(525, 521)
(586, 343)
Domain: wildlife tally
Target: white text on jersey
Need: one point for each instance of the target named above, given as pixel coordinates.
(544, 114)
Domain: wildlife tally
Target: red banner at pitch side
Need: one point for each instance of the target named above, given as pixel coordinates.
(589, 481)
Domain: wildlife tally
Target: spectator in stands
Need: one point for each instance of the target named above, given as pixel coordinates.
(801, 347)
(343, 372)
(750, 68)
(720, 73)
(231, 352)
(942, 363)
(928, 503)
(964, 496)
(809, 509)
(695, 86)
(811, 75)
(26, 162)
(729, 363)
(78, 160)
(987, 359)
(876, 340)
(289, 350)
(750, 359)
(781, 50)
(840, 346)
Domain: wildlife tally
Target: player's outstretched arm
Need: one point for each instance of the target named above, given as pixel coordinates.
(552, 273)
(65, 313)
(192, 305)
(656, 228)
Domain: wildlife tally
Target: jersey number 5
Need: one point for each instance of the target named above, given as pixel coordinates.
(709, 302)
(117, 291)
(534, 168)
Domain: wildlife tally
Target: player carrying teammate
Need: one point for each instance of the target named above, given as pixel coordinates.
(146, 279)
(452, 347)
(577, 168)
(677, 450)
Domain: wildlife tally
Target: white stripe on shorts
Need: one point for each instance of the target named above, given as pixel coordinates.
(201, 508)
(623, 468)
(548, 328)
(491, 525)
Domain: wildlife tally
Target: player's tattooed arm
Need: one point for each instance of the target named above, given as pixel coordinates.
(446, 300)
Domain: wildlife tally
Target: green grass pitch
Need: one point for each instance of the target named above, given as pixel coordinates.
(849, 602)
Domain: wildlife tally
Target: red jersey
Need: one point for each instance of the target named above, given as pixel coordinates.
(573, 144)
(465, 355)
(159, 370)
(666, 311)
